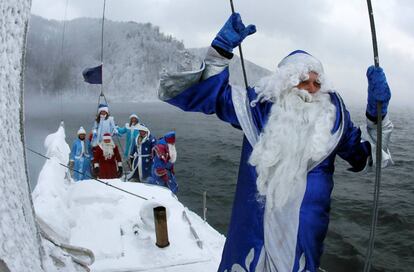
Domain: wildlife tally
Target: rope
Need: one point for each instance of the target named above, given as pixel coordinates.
(90, 177)
(58, 61)
(241, 54)
(373, 33)
(61, 54)
(102, 45)
(374, 220)
(102, 56)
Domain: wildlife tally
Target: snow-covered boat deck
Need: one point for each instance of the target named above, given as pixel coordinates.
(119, 227)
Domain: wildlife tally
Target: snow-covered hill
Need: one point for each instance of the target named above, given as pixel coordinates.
(134, 56)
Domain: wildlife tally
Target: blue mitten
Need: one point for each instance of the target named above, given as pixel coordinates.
(232, 33)
(378, 91)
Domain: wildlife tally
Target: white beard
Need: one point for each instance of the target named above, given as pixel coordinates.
(297, 133)
(107, 149)
(173, 153)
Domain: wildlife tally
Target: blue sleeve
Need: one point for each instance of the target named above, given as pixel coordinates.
(212, 95)
(72, 151)
(94, 131)
(113, 129)
(122, 131)
(95, 126)
(351, 148)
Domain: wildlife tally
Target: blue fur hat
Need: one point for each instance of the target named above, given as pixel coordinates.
(103, 107)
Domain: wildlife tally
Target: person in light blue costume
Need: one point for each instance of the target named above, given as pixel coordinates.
(294, 125)
(131, 130)
(81, 156)
(164, 156)
(141, 154)
(104, 123)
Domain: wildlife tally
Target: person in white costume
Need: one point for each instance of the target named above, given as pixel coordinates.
(104, 123)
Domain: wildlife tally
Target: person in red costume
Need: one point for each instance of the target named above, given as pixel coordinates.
(107, 163)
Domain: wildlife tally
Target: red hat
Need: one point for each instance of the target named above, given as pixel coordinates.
(170, 137)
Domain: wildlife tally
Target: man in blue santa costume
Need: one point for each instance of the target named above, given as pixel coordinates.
(164, 156)
(294, 125)
(141, 154)
(81, 156)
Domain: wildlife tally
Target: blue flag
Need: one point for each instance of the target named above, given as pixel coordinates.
(93, 75)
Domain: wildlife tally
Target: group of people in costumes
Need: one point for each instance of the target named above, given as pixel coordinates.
(294, 125)
(150, 160)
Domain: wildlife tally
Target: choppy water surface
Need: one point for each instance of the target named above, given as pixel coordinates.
(208, 159)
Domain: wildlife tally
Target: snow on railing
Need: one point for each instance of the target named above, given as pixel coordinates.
(56, 146)
(50, 196)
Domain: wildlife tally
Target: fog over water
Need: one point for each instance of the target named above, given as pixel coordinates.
(208, 159)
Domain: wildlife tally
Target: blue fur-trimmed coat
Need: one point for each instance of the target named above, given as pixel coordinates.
(82, 159)
(260, 238)
(142, 163)
(131, 134)
(245, 237)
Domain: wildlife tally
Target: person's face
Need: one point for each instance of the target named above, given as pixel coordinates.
(107, 141)
(134, 120)
(142, 133)
(82, 136)
(103, 113)
(312, 84)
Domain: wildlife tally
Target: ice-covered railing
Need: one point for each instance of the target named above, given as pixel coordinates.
(56, 146)
(50, 196)
(51, 199)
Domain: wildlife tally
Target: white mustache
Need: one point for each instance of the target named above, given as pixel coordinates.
(306, 96)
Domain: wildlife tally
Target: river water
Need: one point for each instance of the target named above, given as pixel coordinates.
(208, 158)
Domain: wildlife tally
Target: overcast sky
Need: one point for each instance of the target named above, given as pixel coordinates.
(336, 32)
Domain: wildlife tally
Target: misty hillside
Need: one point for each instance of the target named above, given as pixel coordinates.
(134, 56)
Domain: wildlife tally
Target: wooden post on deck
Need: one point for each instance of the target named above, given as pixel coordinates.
(161, 230)
(205, 206)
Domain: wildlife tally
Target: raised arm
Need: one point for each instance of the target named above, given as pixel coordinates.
(207, 90)
(121, 131)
